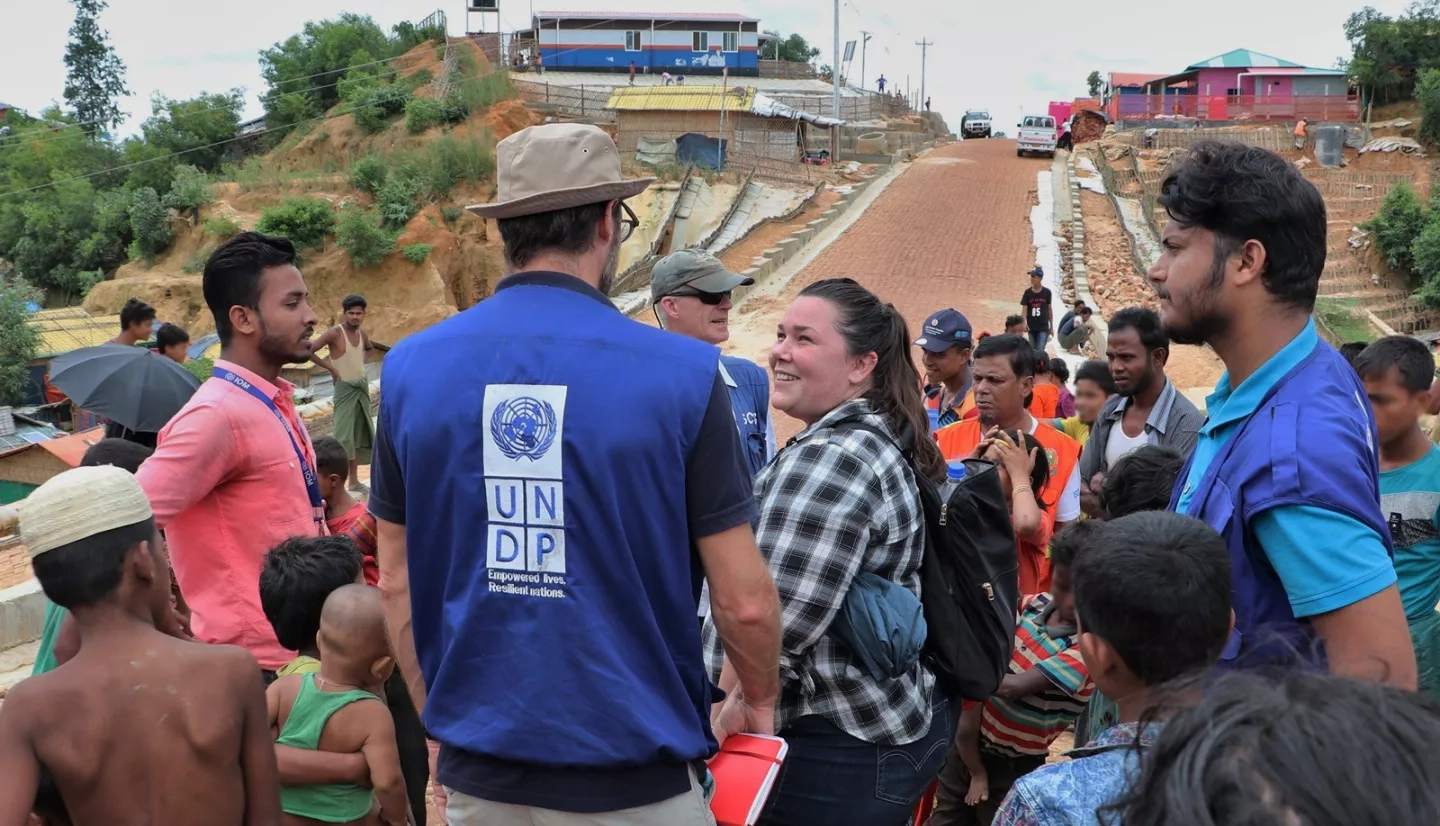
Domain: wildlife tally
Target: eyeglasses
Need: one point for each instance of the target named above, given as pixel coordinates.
(713, 299)
(628, 222)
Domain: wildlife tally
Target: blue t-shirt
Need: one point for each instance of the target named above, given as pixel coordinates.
(1410, 501)
(1351, 564)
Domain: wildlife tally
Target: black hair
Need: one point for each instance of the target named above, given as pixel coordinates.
(135, 312)
(297, 576)
(1141, 480)
(1305, 748)
(331, 458)
(1087, 310)
(1147, 326)
(1156, 570)
(352, 301)
(87, 571)
(121, 453)
(232, 275)
(1021, 355)
(1244, 193)
(1408, 356)
(1040, 473)
(1060, 369)
(1350, 350)
(1012, 320)
(567, 231)
(1042, 362)
(870, 326)
(1079, 304)
(1097, 371)
(169, 335)
(1068, 543)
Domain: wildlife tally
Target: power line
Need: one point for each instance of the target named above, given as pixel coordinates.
(332, 114)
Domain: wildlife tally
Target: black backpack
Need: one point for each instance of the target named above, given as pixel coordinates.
(969, 575)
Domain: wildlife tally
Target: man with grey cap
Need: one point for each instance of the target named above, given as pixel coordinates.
(690, 294)
(551, 481)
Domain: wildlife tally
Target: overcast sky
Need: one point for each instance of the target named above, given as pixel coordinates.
(1012, 56)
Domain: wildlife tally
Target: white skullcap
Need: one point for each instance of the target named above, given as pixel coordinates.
(78, 504)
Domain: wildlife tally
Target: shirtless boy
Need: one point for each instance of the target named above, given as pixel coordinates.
(139, 728)
(341, 709)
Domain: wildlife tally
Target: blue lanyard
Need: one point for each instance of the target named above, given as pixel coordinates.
(312, 483)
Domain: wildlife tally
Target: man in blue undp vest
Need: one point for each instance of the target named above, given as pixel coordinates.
(551, 481)
(1286, 467)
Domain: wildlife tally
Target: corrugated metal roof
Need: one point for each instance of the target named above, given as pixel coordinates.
(27, 434)
(1243, 59)
(639, 15)
(70, 328)
(681, 99)
(71, 449)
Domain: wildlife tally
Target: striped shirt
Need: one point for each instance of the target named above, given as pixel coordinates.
(1028, 725)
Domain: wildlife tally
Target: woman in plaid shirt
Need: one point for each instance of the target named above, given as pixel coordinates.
(836, 501)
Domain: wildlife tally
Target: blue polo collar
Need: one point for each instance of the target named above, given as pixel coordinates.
(560, 280)
(1228, 405)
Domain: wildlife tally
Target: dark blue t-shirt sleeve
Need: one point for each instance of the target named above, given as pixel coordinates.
(387, 485)
(718, 492)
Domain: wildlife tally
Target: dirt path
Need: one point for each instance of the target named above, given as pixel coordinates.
(951, 231)
(740, 256)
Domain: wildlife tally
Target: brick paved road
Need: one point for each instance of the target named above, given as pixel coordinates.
(951, 231)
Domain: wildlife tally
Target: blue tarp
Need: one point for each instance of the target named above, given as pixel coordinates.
(699, 150)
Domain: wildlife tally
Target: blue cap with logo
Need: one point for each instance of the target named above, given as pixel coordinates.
(943, 330)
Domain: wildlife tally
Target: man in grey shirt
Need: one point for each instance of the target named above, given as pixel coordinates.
(1149, 409)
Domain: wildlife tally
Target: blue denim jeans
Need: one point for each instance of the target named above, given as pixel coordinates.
(833, 779)
(1039, 340)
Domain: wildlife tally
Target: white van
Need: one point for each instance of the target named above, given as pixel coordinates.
(1037, 134)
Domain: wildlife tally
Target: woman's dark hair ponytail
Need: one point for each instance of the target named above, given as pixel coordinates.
(868, 325)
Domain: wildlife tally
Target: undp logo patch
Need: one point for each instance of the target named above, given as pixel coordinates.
(523, 427)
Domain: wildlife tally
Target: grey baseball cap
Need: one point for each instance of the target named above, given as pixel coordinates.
(692, 269)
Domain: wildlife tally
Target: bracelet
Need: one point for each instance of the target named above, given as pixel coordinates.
(1019, 489)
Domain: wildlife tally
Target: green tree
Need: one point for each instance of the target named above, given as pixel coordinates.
(149, 223)
(196, 131)
(360, 234)
(1427, 91)
(311, 64)
(1396, 225)
(95, 79)
(1094, 83)
(18, 340)
(794, 48)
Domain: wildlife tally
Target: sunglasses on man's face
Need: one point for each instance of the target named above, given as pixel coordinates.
(713, 299)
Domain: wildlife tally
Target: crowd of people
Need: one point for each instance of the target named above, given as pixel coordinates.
(595, 564)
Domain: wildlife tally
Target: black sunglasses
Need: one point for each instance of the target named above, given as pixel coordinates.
(628, 222)
(713, 299)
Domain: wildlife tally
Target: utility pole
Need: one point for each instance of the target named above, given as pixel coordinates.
(924, 45)
(835, 67)
(863, 43)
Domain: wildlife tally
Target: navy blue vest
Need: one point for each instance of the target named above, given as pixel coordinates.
(750, 400)
(1311, 441)
(542, 436)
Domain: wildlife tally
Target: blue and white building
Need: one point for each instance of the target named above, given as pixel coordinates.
(680, 43)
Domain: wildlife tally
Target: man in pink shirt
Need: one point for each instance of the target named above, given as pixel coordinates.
(233, 474)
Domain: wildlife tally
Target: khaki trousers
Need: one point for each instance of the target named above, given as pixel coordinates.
(689, 809)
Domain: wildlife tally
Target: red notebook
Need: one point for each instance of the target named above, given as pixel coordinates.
(745, 771)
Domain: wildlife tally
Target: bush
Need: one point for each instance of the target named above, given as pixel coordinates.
(396, 200)
(375, 106)
(202, 256)
(422, 113)
(200, 368)
(221, 227)
(361, 235)
(1426, 255)
(304, 220)
(190, 189)
(416, 253)
(451, 214)
(1397, 225)
(149, 224)
(1427, 91)
(368, 174)
(446, 162)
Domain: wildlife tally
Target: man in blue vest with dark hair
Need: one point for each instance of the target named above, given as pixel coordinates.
(551, 481)
(1286, 468)
(690, 295)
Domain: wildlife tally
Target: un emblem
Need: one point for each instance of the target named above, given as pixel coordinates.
(523, 426)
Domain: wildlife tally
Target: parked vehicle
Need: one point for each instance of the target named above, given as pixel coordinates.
(975, 124)
(1037, 134)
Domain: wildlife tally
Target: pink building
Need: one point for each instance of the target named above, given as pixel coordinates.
(1243, 85)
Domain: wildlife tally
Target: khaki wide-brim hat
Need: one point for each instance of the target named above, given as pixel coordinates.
(557, 166)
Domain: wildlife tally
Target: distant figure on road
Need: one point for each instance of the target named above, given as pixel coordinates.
(927, 104)
(880, 84)
(632, 73)
(554, 505)
(1300, 129)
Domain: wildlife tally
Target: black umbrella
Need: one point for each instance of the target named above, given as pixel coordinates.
(131, 386)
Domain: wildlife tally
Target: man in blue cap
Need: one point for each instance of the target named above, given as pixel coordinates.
(945, 352)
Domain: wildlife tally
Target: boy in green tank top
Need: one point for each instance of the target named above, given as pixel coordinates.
(340, 709)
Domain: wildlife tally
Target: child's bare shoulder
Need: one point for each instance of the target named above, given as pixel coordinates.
(219, 662)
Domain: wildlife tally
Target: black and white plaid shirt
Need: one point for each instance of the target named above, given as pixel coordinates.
(833, 503)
